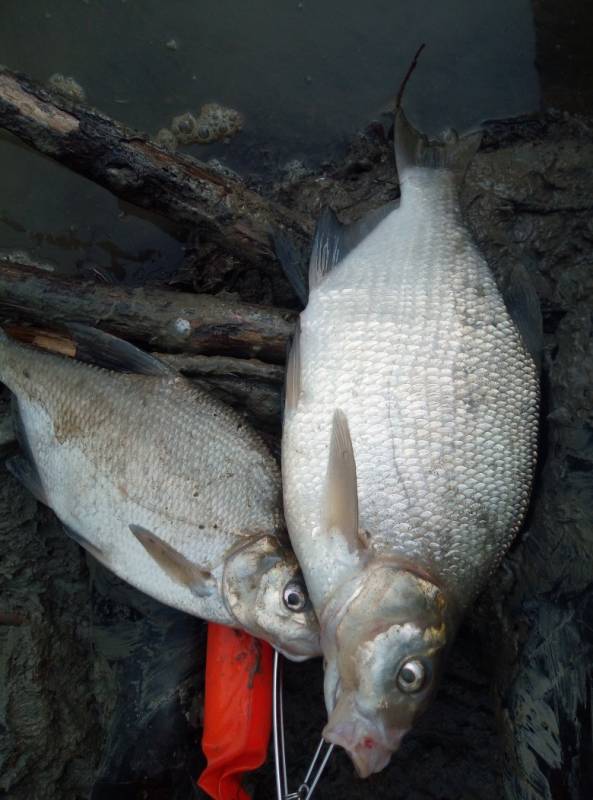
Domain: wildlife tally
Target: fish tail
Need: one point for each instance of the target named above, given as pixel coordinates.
(413, 149)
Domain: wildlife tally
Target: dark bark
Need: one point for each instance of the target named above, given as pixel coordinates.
(137, 170)
(163, 320)
(224, 367)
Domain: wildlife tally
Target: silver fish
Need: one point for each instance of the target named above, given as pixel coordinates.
(162, 483)
(409, 444)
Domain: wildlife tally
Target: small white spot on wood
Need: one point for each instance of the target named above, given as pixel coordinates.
(182, 326)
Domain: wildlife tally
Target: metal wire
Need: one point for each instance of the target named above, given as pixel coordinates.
(305, 790)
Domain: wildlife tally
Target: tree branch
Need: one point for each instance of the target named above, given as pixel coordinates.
(160, 319)
(137, 170)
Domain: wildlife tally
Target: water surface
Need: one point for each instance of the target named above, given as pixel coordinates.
(306, 75)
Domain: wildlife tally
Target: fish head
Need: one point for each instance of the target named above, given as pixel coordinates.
(384, 650)
(265, 591)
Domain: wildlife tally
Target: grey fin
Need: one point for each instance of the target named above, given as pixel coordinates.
(92, 549)
(292, 381)
(333, 240)
(413, 149)
(340, 507)
(293, 264)
(523, 305)
(328, 247)
(199, 581)
(104, 350)
(26, 472)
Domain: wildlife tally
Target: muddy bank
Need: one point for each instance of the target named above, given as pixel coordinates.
(513, 716)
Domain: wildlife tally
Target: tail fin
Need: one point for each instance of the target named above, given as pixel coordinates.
(413, 149)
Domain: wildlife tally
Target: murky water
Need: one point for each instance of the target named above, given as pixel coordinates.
(306, 75)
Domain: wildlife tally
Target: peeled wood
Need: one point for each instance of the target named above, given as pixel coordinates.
(137, 170)
(160, 319)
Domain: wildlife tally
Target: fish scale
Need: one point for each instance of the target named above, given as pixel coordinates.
(157, 470)
(416, 411)
(412, 391)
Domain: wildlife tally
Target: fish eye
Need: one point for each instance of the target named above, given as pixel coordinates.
(294, 596)
(411, 676)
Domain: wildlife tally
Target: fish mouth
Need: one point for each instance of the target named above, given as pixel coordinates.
(299, 649)
(367, 754)
(368, 745)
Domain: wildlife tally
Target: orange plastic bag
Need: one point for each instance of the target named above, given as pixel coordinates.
(238, 710)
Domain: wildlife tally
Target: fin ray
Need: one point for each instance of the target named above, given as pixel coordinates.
(328, 247)
(333, 241)
(110, 352)
(341, 491)
(180, 569)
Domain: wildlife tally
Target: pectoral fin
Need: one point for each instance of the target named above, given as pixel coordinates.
(199, 581)
(341, 492)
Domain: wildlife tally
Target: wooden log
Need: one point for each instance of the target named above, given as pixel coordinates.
(159, 319)
(137, 170)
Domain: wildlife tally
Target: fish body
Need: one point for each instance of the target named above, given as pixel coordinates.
(165, 485)
(409, 445)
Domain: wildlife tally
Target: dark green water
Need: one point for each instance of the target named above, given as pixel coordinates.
(306, 75)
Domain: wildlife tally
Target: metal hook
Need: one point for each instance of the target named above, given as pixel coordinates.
(305, 790)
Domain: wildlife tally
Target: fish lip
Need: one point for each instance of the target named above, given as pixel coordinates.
(299, 650)
(297, 659)
(367, 758)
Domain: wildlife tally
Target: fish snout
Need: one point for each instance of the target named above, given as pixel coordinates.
(369, 745)
(300, 648)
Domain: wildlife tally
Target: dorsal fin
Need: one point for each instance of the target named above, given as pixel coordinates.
(413, 149)
(110, 352)
(333, 240)
(340, 503)
(328, 247)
